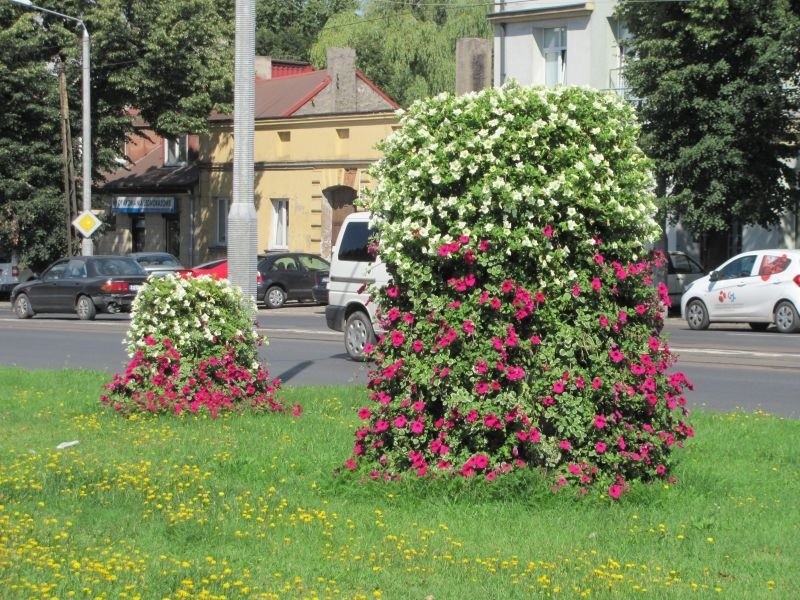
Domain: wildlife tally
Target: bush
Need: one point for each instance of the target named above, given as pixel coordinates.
(521, 327)
(193, 347)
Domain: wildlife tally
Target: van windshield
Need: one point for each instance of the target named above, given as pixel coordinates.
(354, 246)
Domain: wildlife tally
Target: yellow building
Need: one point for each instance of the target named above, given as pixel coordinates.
(315, 137)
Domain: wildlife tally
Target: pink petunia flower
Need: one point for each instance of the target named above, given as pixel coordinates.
(547, 231)
(364, 413)
(600, 447)
(417, 346)
(599, 421)
(596, 284)
(615, 491)
(565, 445)
(417, 427)
(397, 337)
(392, 291)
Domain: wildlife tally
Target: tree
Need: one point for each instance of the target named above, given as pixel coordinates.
(289, 29)
(170, 60)
(717, 82)
(406, 48)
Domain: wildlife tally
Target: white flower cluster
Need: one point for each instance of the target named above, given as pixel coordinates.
(190, 312)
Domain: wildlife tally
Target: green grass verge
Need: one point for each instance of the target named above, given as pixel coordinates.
(248, 507)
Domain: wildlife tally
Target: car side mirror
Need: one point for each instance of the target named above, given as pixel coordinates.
(713, 276)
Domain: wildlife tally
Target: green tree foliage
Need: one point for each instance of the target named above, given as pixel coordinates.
(718, 84)
(406, 48)
(170, 60)
(288, 28)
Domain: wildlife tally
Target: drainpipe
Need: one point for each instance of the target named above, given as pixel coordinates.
(502, 47)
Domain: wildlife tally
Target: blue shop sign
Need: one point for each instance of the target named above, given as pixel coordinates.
(143, 204)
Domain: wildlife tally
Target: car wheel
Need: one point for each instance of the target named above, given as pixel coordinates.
(786, 317)
(758, 326)
(358, 333)
(22, 307)
(274, 297)
(697, 315)
(85, 309)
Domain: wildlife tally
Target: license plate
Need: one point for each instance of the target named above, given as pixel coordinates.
(135, 288)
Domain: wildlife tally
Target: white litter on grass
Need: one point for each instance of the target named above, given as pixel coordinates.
(63, 445)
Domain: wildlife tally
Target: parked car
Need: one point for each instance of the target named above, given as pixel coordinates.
(289, 276)
(353, 268)
(85, 285)
(159, 263)
(759, 287)
(682, 270)
(320, 289)
(9, 272)
(218, 269)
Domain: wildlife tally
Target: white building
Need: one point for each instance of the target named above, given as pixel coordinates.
(558, 42)
(573, 42)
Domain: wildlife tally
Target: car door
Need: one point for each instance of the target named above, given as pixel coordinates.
(310, 265)
(42, 294)
(728, 297)
(766, 288)
(65, 290)
(286, 271)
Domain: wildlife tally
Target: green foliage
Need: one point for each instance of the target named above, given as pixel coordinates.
(171, 60)
(289, 29)
(407, 49)
(718, 83)
(193, 346)
(521, 325)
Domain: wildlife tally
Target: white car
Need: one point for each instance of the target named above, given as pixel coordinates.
(353, 270)
(759, 287)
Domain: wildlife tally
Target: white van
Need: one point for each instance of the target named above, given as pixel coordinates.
(353, 270)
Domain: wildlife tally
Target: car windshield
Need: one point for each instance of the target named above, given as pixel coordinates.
(116, 266)
(158, 260)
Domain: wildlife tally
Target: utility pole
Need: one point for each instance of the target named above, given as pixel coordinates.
(70, 202)
(242, 232)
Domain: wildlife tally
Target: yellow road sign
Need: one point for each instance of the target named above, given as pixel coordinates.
(86, 223)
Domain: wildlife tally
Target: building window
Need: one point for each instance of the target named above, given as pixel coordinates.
(280, 223)
(222, 221)
(554, 49)
(176, 151)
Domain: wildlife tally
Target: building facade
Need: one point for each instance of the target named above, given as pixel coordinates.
(558, 42)
(315, 137)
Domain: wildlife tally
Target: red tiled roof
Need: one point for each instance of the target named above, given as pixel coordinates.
(283, 96)
(149, 173)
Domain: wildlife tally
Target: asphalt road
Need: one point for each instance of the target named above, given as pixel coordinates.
(731, 367)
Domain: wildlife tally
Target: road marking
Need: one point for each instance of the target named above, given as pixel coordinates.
(722, 352)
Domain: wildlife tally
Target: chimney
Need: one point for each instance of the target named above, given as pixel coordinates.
(473, 64)
(263, 67)
(342, 70)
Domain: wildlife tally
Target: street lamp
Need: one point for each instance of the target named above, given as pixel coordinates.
(87, 247)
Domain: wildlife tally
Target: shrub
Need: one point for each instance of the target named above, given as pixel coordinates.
(193, 347)
(521, 326)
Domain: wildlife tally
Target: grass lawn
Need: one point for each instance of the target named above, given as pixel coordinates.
(248, 506)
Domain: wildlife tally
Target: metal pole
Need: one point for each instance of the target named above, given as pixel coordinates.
(242, 233)
(87, 247)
